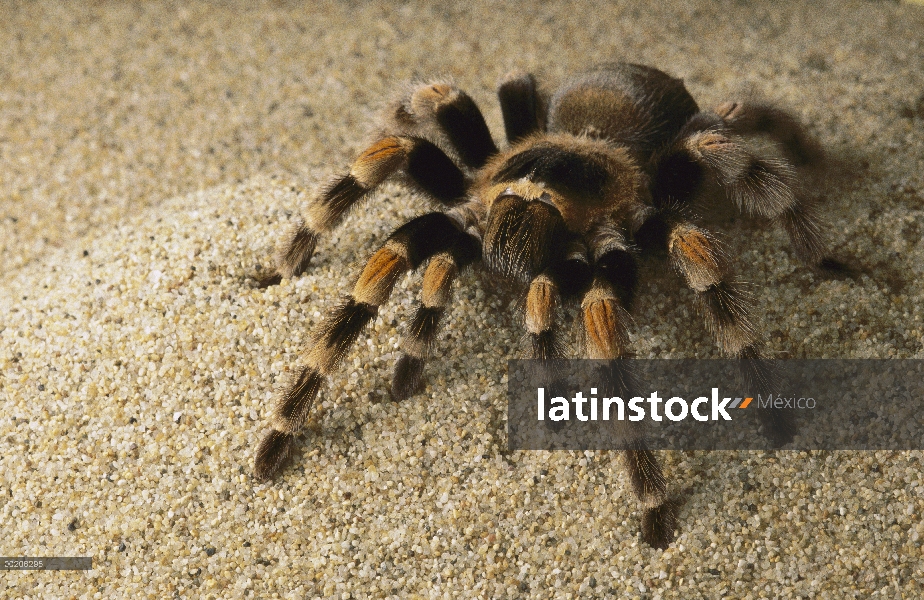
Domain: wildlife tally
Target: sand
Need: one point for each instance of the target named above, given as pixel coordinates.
(151, 155)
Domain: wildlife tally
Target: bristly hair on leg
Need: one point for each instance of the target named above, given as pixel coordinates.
(297, 248)
(272, 454)
(645, 474)
(520, 105)
(765, 187)
(659, 523)
(408, 376)
(758, 118)
(805, 227)
(520, 241)
(339, 332)
(758, 374)
(295, 398)
(546, 346)
(726, 309)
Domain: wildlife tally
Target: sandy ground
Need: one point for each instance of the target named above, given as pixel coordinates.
(149, 157)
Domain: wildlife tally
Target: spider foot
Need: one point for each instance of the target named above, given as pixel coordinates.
(658, 525)
(779, 426)
(293, 258)
(270, 279)
(408, 378)
(272, 454)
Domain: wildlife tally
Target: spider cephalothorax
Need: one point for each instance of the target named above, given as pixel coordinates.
(602, 169)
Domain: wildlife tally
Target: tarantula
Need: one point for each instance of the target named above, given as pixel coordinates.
(597, 172)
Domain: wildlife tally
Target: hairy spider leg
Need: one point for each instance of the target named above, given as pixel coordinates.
(606, 337)
(460, 120)
(429, 112)
(436, 294)
(757, 185)
(749, 118)
(407, 248)
(426, 165)
(696, 255)
(521, 106)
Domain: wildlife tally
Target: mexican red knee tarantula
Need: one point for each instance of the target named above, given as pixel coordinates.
(594, 174)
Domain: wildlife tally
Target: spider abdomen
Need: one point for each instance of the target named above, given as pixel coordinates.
(633, 105)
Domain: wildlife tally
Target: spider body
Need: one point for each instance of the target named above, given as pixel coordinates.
(604, 168)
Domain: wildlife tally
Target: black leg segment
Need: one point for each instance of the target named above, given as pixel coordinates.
(519, 103)
(464, 125)
(435, 173)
